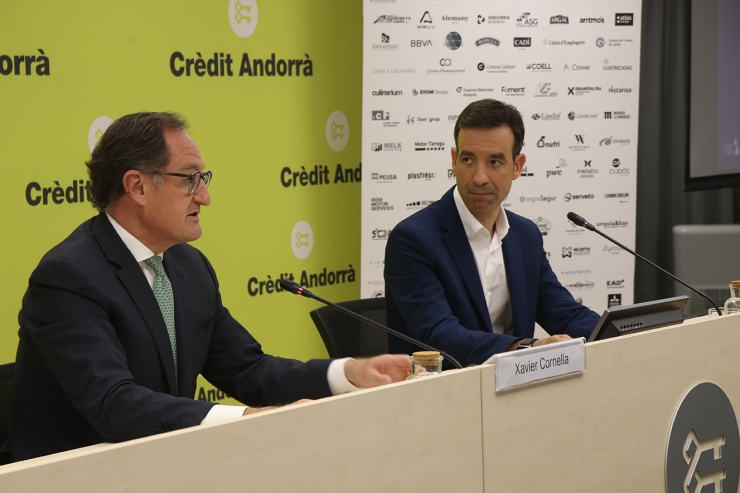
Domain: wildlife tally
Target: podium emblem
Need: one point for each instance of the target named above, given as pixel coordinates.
(703, 452)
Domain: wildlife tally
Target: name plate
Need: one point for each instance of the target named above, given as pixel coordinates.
(524, 366)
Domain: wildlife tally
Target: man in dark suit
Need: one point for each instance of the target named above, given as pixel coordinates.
(121, 317)
(466, 276)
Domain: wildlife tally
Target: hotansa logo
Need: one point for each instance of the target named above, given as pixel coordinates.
(243, 17)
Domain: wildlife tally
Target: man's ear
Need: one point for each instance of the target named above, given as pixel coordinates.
(135, 187)
(519, 163)
(453, 153)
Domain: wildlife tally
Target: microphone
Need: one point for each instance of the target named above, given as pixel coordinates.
(579, 221)
(296, 288)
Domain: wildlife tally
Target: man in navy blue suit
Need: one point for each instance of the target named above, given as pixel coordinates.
(466, 276)
(121, 317)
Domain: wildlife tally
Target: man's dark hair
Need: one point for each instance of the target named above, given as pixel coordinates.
(134, 141)
(489, 113)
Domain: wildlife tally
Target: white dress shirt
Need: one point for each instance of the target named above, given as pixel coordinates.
(338, 383)
(489, 259)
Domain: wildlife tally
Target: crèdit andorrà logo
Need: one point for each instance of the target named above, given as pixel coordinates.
(337, 131)
(301, 239)
(97, 129)
(243, 16)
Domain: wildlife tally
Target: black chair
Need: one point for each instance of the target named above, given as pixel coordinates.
(346, 336)
(6, 395)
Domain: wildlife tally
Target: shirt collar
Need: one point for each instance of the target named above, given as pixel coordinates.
(473, 226)
(137, 248)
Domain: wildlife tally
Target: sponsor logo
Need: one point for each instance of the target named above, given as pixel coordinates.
(325, 277)
(611, 249)
(580, 144)
(614, 283)
(544, 90)
(301, 239)
(34, 64)
(487, 41)
(619, 90)
(539, 67)
(423, 175)
(429, 146)
(430, 92)
(581, 90)
(421, 43)
(615, 67)
(616, 115)
(337, 131)
(383, 178)
(522, 42)
(385, 117)
(587, 171)
(451, 118)
(97, 129)
(592, 20)
(319, 175)
(581, 285)
(453, 40)
(243, 17)
(576, 67)
(525, 20)
(411, 120)
(385, 43)
(380, 234)
(546, 117)
(450, 174)
(426, 18)
(541, 198)
(454, 19)
(569, 252)
(614, 299)
(543, 225)
(525, 172)
(612, 224)
(419, 204)
(622, 196)
(612, 141)
(512, 91)
(219, 65)
(497, 69)
(386, 146)
(543, 144)
(554, 172)
(563, 42)
(559, 19)
(378, 204)
(600, 42)
(573, 115)
(497, 19)
(569, 196)
(617, 169)
(391, 92)
(624, 19)
(392, 19)
(620, 41)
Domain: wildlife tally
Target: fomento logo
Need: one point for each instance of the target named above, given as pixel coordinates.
(337, 131)
(243, 17)
(301, 239)
(97, 129)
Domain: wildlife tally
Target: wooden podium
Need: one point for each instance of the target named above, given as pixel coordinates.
(603, 430)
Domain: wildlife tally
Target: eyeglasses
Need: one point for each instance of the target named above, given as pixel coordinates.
(194, 178)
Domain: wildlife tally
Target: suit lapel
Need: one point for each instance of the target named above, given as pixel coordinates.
(141, 293)
(459, 248)
(184, 317)
(517, 281)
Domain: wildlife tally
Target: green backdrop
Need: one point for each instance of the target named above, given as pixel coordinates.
(113, 58)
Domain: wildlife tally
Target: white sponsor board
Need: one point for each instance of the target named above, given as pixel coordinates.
(573, 73)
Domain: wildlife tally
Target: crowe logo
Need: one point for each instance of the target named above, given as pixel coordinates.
(243, 17)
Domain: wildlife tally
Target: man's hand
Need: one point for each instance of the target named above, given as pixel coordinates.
(551, 339)
(379, 370)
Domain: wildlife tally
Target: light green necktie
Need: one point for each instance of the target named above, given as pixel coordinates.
(163, 293)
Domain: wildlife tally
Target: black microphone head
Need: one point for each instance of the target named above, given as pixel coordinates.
(289, 285)
(579, 221)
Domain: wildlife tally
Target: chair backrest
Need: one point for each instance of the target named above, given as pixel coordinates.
(345, 336)
(6, 395)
